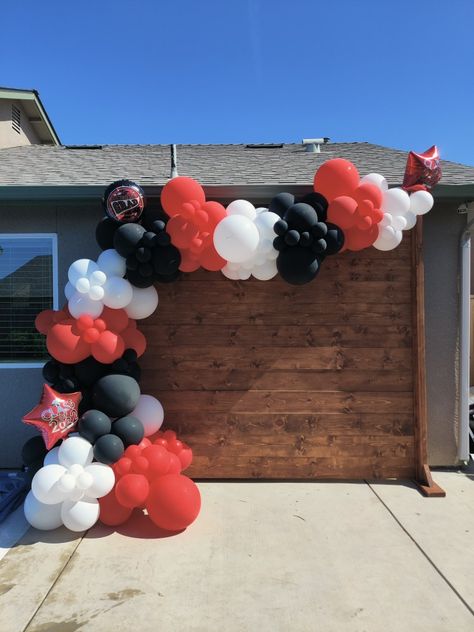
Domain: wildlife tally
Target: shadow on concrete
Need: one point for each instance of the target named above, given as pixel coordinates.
(137, 526)
(56, 536)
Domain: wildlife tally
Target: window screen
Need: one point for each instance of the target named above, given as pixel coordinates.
(27, 286)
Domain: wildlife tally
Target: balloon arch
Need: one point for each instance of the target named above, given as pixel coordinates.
(102, 453)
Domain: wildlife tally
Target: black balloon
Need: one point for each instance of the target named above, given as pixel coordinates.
(33, 450)
(298, 265)
(127, 238)
(116, 395)
(334, 239)
(105, 231)
(94, 424)
(301, 217)
(108, 449)
(129, 429)
(281, 203)
(319, 203)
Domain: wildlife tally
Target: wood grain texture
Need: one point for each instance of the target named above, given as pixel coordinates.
(267, 380)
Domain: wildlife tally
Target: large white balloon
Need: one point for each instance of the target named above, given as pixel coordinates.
(144, 302)
(81, 268)
(69, 290)
(75, 451)
(80, 304)
(396, 202)
(265, 222)
(80, 515)
(51, 457)
(242, 207)
(103, 480)
(236, 238)
(421, 202)
(112, 263)
(150, 412)
(45, 486)
(410, 219)
(118, 292)
(377, 179)
(266, 271)
(40, 515)
(388, 238)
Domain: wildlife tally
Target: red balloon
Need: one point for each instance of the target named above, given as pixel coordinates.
(122, 466)
(336, 177)
(342, 211)
(112, 513)
(215, 213)
(116, 319)
(211, 260)
(144, 443)
(108, 348)
(44, 320)
(178, 191)
(174, 502)
(185, 457)
(66, 346)
(134, 339)
(189, 262)
(356, 239)
(181, 231)
(140, 465)
(159, 461)
(132, 490)
(55, 416)
(175, 464)
(132, 452)
(368, 191)
(175, 446)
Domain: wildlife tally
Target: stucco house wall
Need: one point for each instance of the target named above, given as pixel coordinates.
(75, 224)
(8, 136)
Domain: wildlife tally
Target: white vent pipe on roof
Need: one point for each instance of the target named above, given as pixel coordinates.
(174, 168)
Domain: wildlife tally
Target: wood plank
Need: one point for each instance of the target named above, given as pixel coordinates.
(198, 358)
(279, 336)
(317, 402)
(258, 379)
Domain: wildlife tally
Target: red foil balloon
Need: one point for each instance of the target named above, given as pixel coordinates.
(422, 169)
(55, 416)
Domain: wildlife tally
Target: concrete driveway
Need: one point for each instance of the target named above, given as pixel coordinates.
(262, 556)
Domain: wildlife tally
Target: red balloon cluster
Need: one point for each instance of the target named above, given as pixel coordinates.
(71, 340)
(148, 476)
(354, 206)
(192, 224)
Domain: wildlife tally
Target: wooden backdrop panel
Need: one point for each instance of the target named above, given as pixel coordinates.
(268, 380)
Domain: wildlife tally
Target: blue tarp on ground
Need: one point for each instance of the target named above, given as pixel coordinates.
(13, 488)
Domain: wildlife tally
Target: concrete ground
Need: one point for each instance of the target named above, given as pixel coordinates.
(262, 556)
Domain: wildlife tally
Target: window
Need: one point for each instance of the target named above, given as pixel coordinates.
(16, 119)
(28, 284)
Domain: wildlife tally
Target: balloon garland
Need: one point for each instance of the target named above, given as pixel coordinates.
(104, 454)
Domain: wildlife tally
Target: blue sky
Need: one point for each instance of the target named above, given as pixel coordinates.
(397, 73)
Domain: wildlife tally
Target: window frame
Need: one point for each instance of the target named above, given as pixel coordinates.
(54, 250)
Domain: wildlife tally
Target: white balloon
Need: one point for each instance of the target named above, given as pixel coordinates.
(410, 220)
(117, 292)
(112, 263)
(399, 222)
(396, 201)
(98, 277)
(81, 268)
(40, 515)
(84, 481)
(103, 480)
(388, 238)
(83, 285)
(150, 412)
(51, 457)
(266, 271)
(377, 179)
(244, 274)
(80, 515)
(144, 302)
(261, 209)
(75, 451)
(265, 223)
(67, 484)
(230, 273)
(80, 304)
(69, 290)
(386, 220)
(236, 238)
(96, 293)
(45, 484)
(421, 202)
(242, 207)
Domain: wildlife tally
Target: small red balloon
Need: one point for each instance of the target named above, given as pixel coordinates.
(112, 513)
(132, 490)
(159, 461)
(173, 502)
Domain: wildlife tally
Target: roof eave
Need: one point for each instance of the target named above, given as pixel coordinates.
(32, 95)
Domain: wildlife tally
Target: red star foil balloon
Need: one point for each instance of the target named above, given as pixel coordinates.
(55, 416)
(422, 169)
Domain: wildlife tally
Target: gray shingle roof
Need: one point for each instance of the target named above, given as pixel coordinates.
(210, 164)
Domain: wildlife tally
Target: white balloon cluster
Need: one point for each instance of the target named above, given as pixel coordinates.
(400, 211)
(65, 490)
(245, 239)
(93, 285)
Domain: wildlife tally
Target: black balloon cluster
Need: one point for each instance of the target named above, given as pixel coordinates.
(304, 238)
(109, 426)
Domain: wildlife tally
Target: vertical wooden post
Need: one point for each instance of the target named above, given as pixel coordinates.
(423, 478)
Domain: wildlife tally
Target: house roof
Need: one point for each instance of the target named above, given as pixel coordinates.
(217, 167)
(34, 109)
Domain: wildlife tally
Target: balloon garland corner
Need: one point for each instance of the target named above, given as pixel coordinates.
(102, 453)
